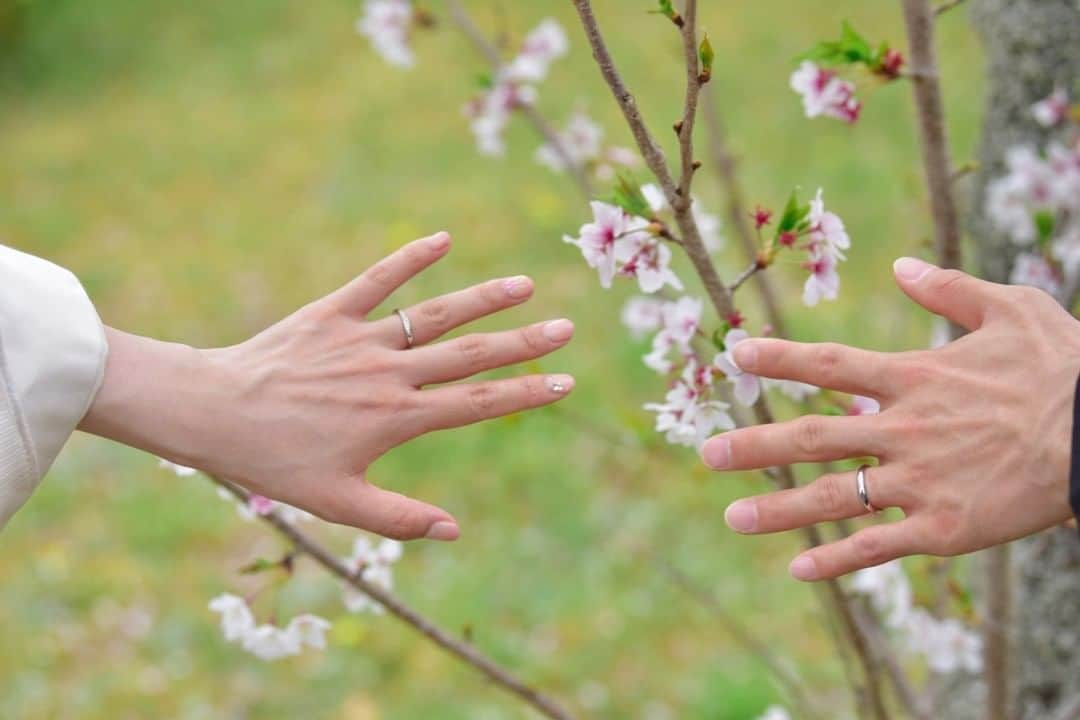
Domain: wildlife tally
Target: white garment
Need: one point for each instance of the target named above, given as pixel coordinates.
(52, 359)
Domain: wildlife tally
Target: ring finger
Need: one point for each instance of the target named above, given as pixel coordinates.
(830, 497)
(437, 316)
(471, 354)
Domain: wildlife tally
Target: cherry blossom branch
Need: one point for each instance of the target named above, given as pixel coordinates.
(919, 20)
(947, 6)
(718, 293)
(745, 275)
(488, 49)
(685, 127)
(462, 650)
(724, 165)
(656, 161)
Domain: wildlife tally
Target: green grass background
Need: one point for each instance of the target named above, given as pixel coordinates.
(205, 167)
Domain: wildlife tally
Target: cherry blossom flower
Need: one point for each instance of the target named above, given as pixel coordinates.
(1032, 269)
(1052, 110)
(827, 234)
(824, 93)
(602, 240)
(888, 589)
(387, 24)
(823, 283)
(512, 88)
(645, 257)
(236, 618)
(861, 405)
(642, 315)
(827, 241)
(688, 416)
(680, 324)
(490, 113)
(546, 43)
(582, 143)
(709, 225)
(374, 563)
(946, 644)
(747, 385)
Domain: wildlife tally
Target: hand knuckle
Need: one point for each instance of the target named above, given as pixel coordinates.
(474, 349)
(828, 496)
(534, 391)
(809, 435)
(381, 274)
(482, 399)
(435, 314)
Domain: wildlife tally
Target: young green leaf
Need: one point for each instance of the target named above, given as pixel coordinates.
(627, 195)
(668, 10)
(707, 56)
(794, 214)
(1044, 224)
(258, 566)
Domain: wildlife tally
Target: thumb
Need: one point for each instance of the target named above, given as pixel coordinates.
(953, 294)
(366, 506)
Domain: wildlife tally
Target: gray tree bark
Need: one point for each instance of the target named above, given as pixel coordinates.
(1032, 46)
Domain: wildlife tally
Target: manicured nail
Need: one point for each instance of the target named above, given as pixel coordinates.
(560, 384)
(439, 241)
(558, 331)
(803, 568)
(443, 530)
(746, 354)
(911, 269)
(741, 516)
(717, 453)
(517, 287)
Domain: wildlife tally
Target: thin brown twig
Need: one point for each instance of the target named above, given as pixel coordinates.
(460, 649)
(724, 165)
(754, 268)
(490, 52)
(947, 6)
(718, 293)
(685, 126)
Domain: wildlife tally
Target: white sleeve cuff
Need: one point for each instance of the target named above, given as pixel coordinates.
(52, 359)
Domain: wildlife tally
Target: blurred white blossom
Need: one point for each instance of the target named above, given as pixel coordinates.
(387, 24)
(268, 642)
(374, 564)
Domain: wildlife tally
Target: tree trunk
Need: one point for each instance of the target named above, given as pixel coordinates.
(1032, 46)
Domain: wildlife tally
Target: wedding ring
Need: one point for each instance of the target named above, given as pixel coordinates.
(406, 326)
(860, 488)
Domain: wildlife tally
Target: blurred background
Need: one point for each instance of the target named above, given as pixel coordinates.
(207, 167)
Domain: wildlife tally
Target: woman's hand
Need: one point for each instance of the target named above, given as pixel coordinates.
(973, 440)
(299, 412)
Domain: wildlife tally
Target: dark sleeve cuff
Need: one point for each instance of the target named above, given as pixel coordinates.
(1074, 462)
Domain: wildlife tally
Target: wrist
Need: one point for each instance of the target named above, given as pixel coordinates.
(165, 398)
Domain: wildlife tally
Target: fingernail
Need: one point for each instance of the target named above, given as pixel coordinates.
(803, 568)
(558, 330)
(911, 269)
(717, 453)
(443, 530)
(560, 384)
(439, 241)
(741, 516)
(746, 354)
(517, 287)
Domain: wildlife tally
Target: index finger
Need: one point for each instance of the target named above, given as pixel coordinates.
(827, 365)
(375, 284)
